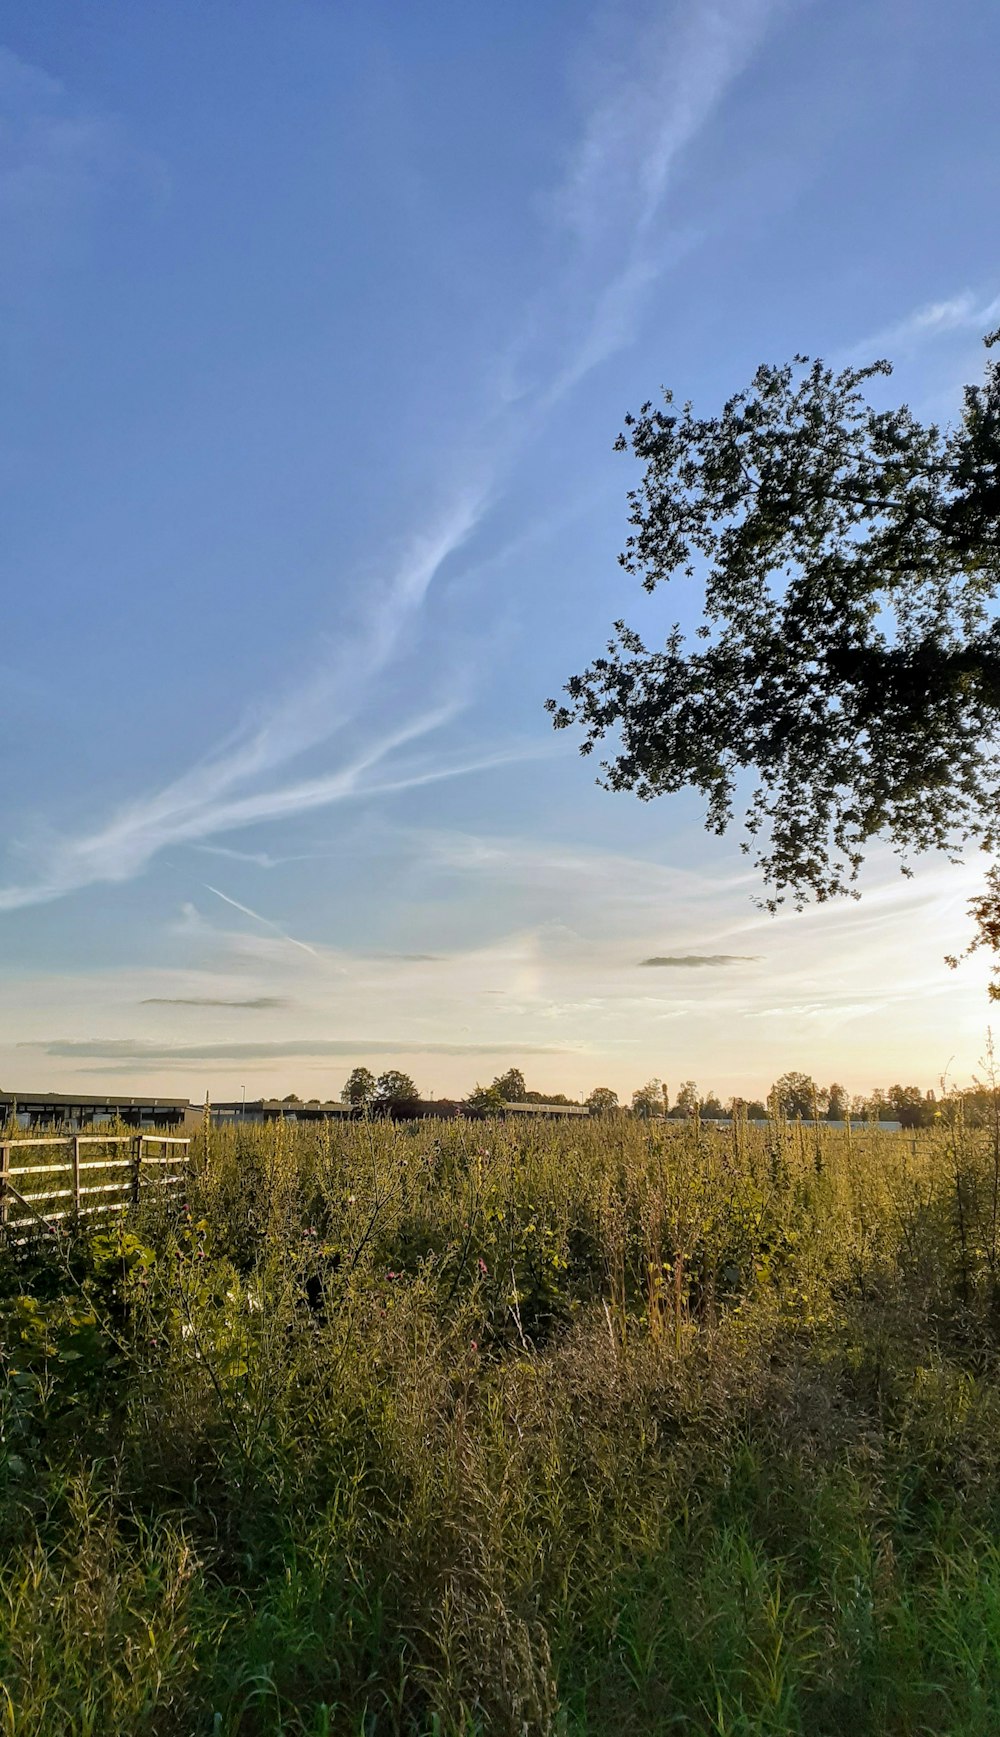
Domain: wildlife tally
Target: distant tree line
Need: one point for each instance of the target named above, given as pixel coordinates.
(794, 1095)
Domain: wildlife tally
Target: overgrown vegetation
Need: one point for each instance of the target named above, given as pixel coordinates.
(613, 1428)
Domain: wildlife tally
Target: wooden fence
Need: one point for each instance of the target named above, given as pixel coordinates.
(35, 1194)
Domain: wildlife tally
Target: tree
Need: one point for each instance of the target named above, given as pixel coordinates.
(484, 1100)
(511, 1086)
(650, 1100)
(687, 1099)
(910, 1106)
(798, 1095)
(849, 656)
(836, 1108)
(603, 1101)
(395, 1093)
(873, 1108)
(359, 1089)
(984, 910)
(711, 1106)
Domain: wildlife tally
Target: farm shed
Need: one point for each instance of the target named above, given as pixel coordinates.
(65, 1112)
(544, 1112)
(276, 1110)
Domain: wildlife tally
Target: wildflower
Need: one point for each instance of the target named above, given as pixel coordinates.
(474, 1345)
(483, 1268)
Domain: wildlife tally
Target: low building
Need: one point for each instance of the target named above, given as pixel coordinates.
(68, 1113)
(543, 1112)
(278, 1110)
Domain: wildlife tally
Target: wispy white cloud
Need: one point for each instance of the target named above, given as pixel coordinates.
(673, 69)
(125, 847)
(52, 148)
(657, 95)
(964, 312)
(212, 798)
(266, 921)
(556, 968)
(259, 858)
(669, 83)
(59, 156)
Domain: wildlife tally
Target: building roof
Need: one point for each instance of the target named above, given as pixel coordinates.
(533, 1109)
(80, 1100)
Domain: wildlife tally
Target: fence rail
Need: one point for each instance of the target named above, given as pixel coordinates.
(25, 1208)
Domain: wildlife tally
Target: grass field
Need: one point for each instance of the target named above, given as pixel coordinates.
(456, 1428)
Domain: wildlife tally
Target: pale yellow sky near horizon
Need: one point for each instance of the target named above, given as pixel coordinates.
(856, 991)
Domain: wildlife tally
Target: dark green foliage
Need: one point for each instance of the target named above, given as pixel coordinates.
(511, 1086)
(850, 658)
(395, 1092)
(602, 1101)
(650, 1100)
(484, 1100)
(359, 1089)
(797, 1094)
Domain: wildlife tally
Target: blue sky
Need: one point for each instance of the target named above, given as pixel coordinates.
(318, 324)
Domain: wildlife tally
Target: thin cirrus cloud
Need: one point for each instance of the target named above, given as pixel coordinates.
(56, 154)
(140, 1051)
(670, 80)
(662, 98)
(265, 921)
(179, 815)
(212, 797)
(260, 1002)
(692, 961)
(675, 74)
(964, 312)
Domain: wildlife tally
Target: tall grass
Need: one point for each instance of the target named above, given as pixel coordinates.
(473, 1428)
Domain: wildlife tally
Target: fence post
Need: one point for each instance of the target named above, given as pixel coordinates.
(4, 1166)
(76, 1174)
(137, 1178)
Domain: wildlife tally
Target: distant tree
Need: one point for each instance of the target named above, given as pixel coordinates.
(848, 654)
(798, 1095)
(511, 1086)
(836, 1107)
(602, 1101)
(910, 1106)
(977, 1103)
(359, 1089)
(649, 1100)
(711, 1106)
(484, 1101)
(292, 1098)
(395, 1092)
(756, 1111)
(688, 1099)
(874, 1107)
